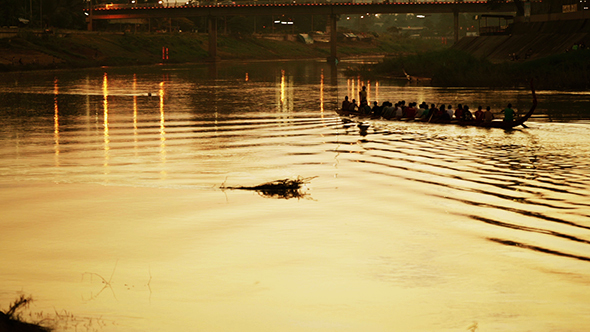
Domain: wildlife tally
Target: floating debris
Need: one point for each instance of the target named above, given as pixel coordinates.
(285, 188)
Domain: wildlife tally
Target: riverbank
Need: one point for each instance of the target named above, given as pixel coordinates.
(453, 67)
(528, 40)
(550, 52)
(30, 50)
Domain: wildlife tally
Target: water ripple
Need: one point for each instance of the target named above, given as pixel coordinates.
(521, 173)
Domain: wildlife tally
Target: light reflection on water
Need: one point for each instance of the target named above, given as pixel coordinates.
(408, 226)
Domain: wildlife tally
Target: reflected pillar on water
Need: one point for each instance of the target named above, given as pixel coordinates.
(282, 90)
(377, 92)
(213, 76)
(56, 122)
(334, 84)
(356, 94)
(162, 133)
(334, 75)
(285, 93)
(107, 141)
(322, 93)
(212, 95)
(369, 92)
(135, 138)
(88, 103)
(351, 90)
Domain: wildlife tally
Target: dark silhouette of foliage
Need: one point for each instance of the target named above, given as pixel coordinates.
(11, 11)
(11, 320)
(519, 4)
(66, 14)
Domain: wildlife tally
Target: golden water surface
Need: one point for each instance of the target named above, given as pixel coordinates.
(114, 216)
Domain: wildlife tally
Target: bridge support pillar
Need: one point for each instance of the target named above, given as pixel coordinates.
(332, 25)
(89, 20)
(456, 25)
(212, 20)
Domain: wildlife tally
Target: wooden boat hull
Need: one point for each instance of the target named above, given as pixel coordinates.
(494, 124)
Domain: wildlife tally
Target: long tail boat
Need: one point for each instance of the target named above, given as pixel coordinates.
(493, 124)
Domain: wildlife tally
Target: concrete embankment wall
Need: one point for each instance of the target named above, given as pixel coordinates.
(540, 39)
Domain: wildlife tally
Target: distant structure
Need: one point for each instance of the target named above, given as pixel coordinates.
(331, 10)
(542, 11)
(544, 28)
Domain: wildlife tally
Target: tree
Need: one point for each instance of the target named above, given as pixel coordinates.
(10, 11)
(239, 25)
(519, 4)
(63, 13)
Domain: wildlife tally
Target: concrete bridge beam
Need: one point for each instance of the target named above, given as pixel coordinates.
(89, 20)
(333, 27)
(212, 24)
(456, 25)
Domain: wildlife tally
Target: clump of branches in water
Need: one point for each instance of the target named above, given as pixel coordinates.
(285, 188)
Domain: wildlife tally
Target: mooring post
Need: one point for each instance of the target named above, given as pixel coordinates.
(213, 38)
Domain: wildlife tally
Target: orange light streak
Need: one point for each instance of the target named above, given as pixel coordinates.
(56, 121)
(322, 93)
(135, 113)
(162, 131)
(377, 91)
(107, 141)
(282, 89)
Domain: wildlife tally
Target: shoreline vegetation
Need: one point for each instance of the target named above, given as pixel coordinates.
(453, 68)
(12, 320)
(71, 49)
(19, 318)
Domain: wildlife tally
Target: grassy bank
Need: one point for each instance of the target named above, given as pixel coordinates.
(29, 50)
(456, 68)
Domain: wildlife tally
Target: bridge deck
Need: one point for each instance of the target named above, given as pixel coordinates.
(118, 12)
(332, 10)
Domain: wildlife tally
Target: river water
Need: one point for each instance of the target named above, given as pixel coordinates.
(114, 216)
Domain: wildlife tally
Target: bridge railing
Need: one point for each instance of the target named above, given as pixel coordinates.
(191, 3)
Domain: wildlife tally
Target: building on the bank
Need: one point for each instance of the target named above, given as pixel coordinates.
(539, 11)
(542, 28)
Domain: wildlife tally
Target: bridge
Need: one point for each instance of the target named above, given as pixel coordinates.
(332, 10)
